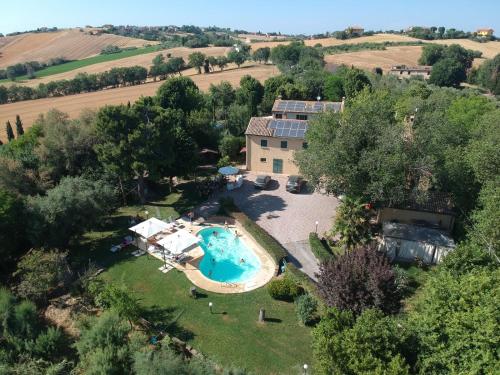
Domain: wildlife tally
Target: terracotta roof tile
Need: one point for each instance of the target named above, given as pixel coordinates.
(258, 126)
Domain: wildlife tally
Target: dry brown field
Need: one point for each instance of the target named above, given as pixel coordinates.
(407, 55)
(489, 49)
(70, 44)
(144, 60)
(326, 42)
(73, 104)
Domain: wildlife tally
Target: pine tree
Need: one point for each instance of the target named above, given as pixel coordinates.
(19, 126)
(10, 132)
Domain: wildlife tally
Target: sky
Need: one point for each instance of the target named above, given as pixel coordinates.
(285, 16)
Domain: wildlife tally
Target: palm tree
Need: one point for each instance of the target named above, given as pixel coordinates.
(352, 223)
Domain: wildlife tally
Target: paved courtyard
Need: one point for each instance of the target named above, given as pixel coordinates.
(288, 217)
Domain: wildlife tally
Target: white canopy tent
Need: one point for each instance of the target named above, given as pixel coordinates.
(178, 242)
(150, 227)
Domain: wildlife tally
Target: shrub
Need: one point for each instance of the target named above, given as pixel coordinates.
(306, 306)
(319, 249)
(284, 288)
(223, 161)
(402, 281)
(302, 279)
(108, 50)
(360, 279)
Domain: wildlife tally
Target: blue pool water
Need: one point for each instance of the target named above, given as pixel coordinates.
(223, 256)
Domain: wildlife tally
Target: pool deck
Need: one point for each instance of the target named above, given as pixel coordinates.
(193, 273)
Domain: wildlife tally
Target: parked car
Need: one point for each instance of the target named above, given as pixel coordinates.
(262, 181)
(294, 184)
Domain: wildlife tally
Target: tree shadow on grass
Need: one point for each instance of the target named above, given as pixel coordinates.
(164, 319)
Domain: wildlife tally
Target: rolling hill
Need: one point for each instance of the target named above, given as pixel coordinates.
(71, 44)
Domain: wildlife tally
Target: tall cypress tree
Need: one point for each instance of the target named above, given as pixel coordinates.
(19, 126)
(10, 132)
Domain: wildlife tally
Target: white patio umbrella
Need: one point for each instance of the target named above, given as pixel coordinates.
(229, 170)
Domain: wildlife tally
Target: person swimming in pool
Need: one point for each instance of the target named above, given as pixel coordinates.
(215, 234)
(242, 260)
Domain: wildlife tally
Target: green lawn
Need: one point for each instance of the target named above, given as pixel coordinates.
(66, 67)
(230, 336)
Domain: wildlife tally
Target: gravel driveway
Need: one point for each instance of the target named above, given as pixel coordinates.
(288, 217)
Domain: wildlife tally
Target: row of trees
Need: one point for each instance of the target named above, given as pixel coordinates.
(433, 33)
(83, 82)
(28, 68)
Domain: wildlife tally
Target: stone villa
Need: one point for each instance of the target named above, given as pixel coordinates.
(272, 140)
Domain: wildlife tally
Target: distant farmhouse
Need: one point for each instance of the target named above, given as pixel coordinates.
(403, 71)
(355, 30)
(485, 32)
(272, 140)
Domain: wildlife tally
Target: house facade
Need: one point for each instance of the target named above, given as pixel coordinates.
(403, 71)
(355, 30)
(271, 141)
(485, 32)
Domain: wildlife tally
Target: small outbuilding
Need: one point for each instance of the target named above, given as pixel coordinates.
(434, 210)
(407, 243)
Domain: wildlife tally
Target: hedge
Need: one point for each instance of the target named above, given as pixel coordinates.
(319, 249)
(301, 278)
(264, 239)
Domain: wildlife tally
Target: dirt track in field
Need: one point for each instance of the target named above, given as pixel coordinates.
(73, 104)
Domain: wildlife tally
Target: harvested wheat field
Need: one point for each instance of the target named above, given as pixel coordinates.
(73, 104)
(144, 60)
(489, 49)
(326, 42)
(407, 55)
(71, 44)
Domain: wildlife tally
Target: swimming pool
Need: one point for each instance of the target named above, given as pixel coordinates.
(227, 258)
